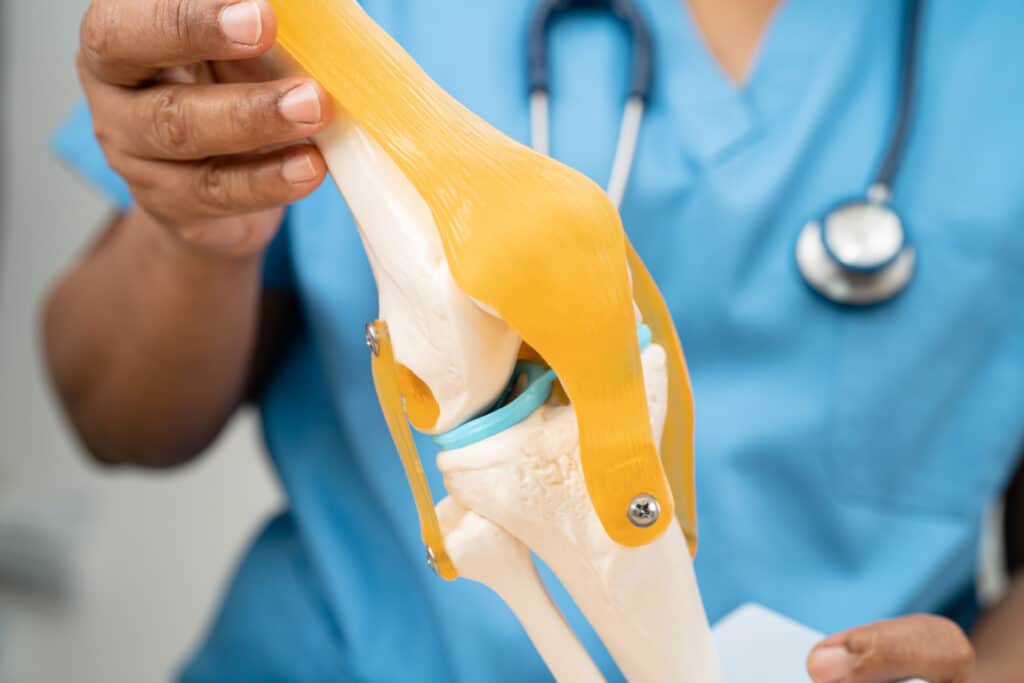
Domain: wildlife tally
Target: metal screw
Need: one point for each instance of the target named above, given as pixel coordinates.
(372, 340)
(879, 193)
(644, 510)
(432, 561)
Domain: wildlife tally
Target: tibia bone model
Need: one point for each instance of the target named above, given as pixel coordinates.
(643, 602)
(486, 553)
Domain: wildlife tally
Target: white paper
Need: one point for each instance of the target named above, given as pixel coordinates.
(758, 645)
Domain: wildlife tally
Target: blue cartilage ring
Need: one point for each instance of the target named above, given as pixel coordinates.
(538, 387)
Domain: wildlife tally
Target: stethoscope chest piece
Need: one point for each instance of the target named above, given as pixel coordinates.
(858, 254)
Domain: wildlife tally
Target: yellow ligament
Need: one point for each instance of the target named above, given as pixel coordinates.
(677, 438)
(534, 240)
(385, 380)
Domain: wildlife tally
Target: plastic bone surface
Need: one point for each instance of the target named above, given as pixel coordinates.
(643, 602)
(486, 553)
(453, 354)
(477, 243)
(522, 489)
(528, 239)
(461, 353)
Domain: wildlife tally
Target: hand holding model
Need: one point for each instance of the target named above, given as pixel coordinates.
(212, 150)
(209, 145)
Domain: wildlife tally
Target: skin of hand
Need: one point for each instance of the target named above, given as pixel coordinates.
(922, 646)
(935, 649)
(157, 333)
(185, 113)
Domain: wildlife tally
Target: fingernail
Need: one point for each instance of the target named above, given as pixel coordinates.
(302, 104)
(298, 169)
(830, 664)
(242, 23)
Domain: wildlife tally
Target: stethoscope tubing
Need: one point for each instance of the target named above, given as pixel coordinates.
(640, 83)
(641, 38)
(880, 191)
(640, 88)
(894, 153)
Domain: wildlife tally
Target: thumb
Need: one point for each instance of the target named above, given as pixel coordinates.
(920, 646)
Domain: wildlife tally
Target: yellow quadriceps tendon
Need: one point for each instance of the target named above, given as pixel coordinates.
(532, 239)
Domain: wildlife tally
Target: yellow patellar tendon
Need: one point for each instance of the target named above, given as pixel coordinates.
(532, 239)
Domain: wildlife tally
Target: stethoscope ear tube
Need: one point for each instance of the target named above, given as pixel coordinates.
(640, 83)
(641, 38)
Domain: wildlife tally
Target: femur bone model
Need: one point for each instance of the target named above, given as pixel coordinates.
(486, 255)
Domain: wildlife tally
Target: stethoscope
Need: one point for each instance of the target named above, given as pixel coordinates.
(858, 253)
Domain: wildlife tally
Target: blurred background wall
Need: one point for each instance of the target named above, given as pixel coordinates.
(145, 555)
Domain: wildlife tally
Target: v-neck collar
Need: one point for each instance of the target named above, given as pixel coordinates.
(791, 52)
(711, 112)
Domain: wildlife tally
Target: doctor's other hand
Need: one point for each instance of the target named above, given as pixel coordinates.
(931, 648)
(185, 111)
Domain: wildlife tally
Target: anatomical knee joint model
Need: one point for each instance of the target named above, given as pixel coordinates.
(520, 329)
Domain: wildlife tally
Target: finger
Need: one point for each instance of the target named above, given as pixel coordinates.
(920, 646)
(257, 70)
(126, 43)
(183, 192)
(244, 71)
(188, 122)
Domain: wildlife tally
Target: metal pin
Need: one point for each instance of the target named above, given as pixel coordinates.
(644, 510)
(879, 193)
(432, 561)
(372, 341)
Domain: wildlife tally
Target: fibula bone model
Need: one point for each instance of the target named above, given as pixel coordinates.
(518, 326)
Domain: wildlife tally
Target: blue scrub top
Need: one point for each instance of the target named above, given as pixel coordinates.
(844, 456)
